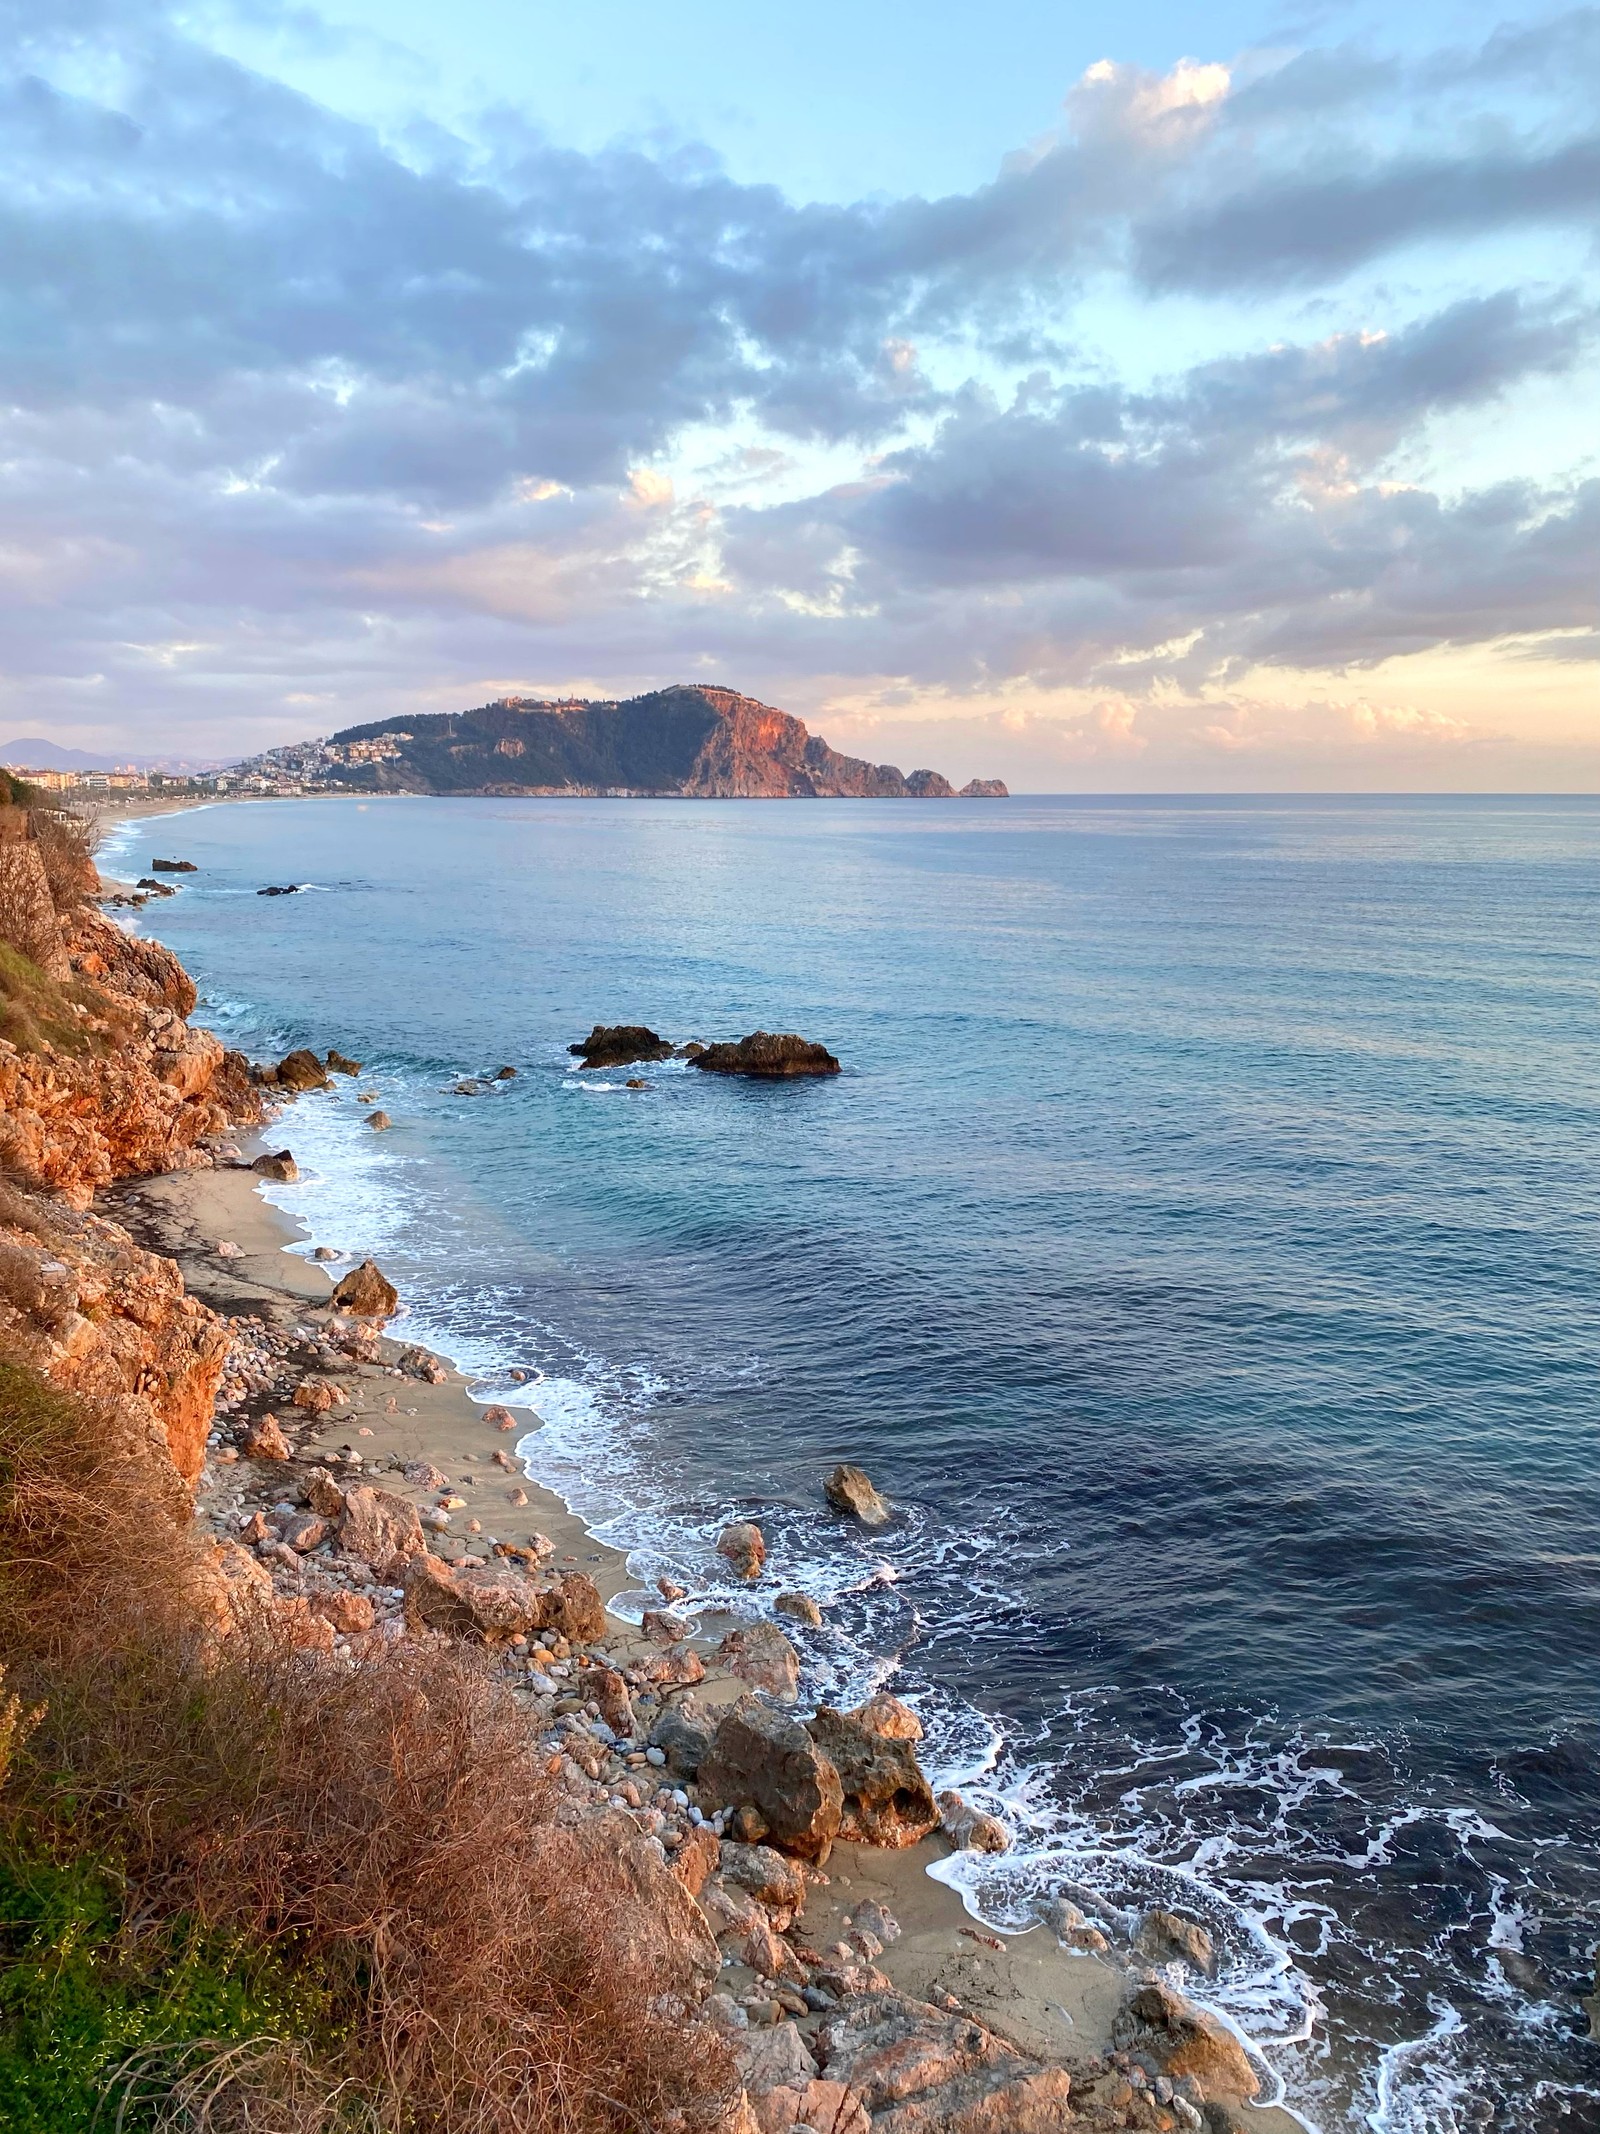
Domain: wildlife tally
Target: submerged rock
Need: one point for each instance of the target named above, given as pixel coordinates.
(769, 1057)
(801, 1608)
(281, 1167)
(620, 1044)
(379, 1121)
(1170, 1937)
(850, 1490)
(339, 1064)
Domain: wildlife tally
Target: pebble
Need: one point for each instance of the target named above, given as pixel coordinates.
(655, 1756)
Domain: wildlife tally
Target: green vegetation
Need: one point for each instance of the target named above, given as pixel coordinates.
(81, 1995)
(207, 1835)
(35, 1008)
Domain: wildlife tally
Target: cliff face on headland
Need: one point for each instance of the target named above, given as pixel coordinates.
(690, 741)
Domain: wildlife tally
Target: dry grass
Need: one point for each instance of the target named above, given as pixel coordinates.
(388, 1824)
(65, 839)
(230, 2086)
(28, 1213)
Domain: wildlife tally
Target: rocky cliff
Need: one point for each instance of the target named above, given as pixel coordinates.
(101, 1078)
(690, 740)
(124, 1088)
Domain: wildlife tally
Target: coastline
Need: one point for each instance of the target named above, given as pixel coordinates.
(1056, 2003)
(1049, 2000)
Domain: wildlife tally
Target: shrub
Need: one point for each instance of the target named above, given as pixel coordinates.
(65, 839)
(384, 1829)
(87, 2007)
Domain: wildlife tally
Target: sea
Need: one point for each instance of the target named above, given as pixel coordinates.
(1200, 1247)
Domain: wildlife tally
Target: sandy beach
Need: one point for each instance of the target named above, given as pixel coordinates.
(1048, 1999)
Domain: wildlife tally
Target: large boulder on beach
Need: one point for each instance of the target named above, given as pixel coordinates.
(887, 1800)
(849, 1490)
(923, 2070)
(1182, 2040)
(368, 1293)
(280, 1166)
(683, 1734)
(760, 1654)
(761, 1758)
(768, 1057)
(487, 1607)
(619, 1044)
(491, 1604)
(383, 1530)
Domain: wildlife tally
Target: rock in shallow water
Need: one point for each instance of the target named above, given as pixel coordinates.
(849, 1490)
(743, 1545)
(969, 1828)
(769, 1057)
(619, 1045)
(1169, 1937)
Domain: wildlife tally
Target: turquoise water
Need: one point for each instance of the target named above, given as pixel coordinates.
(1201, 1248)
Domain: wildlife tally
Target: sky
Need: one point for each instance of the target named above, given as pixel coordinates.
(1147, 399)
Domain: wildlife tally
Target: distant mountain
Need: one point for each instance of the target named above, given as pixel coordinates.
(33, 754)
(689, 740)
(36, 755)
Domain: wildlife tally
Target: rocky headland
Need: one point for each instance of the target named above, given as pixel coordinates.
(339, 1526)
(690, 741)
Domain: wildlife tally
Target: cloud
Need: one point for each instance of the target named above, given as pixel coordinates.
(294, 413)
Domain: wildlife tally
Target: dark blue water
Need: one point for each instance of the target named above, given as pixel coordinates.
(1202, 1247)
